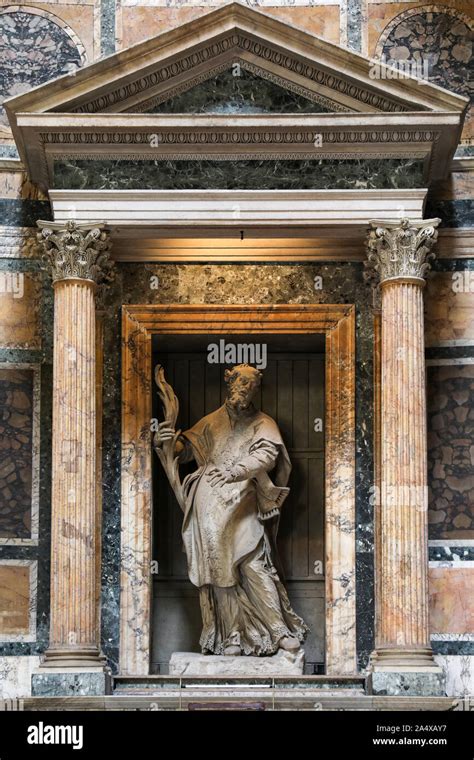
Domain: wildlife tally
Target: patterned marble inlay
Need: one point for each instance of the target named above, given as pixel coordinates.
(243, 174)
(437, 42)
(19, 450)
(33, 49)
(438, 37)
(451, 451)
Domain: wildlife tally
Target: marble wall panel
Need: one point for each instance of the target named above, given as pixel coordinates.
(20, 305)
(137, 21)
(449, 308)
(17, 600)
(243, 174)
(451, 599)
(459, 671)
(458, 186)
(15, 678)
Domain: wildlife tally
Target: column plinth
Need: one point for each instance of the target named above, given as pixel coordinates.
(78, 257)
(403, 660)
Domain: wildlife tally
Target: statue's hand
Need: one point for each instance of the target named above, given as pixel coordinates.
(218, 477)
(164, 433)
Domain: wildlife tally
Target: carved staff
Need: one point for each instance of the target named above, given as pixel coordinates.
(166, 452)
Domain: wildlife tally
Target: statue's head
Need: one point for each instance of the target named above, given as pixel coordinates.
(243, 382)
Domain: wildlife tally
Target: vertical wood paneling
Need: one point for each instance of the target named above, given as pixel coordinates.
(269, 389)
(299, 393)
(315, 512)
(284, 402)
(316, 400)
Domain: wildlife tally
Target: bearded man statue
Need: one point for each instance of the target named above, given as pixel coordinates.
(231, 506)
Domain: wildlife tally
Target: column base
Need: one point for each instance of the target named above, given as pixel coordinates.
(75, 657)
(403, 672)
(73, 682)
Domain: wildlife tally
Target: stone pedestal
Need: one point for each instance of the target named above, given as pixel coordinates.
(403, 662)
(73, 682)
(76, 254)
(280, 664)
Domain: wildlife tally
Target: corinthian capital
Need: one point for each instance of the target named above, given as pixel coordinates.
(75, 251)
(401, 249)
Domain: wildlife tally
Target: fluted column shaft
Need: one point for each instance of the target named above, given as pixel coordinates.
(73, 524)
(75, 253)
(403, 531)
(399, 252)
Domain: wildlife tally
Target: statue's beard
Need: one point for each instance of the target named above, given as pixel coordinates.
(239, 401)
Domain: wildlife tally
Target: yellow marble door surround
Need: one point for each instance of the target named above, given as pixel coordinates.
(139, 324)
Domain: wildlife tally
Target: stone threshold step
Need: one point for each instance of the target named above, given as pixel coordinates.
(274, 682)
(170, 702)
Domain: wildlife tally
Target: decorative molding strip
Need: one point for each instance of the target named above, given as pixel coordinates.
(448, 362)
(238, 135)
(462, 164)
(18, 243)
(452, 637)
(469, 542)
(236, 155)
(455, 243)
(452, 564)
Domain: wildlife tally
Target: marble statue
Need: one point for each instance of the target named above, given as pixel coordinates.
(231, 505)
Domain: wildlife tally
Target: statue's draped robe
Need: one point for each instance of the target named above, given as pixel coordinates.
(229, 531)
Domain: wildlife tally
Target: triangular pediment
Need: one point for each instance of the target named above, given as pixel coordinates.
(176, 88)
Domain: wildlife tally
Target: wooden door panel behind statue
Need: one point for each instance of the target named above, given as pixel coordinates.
(292, 392)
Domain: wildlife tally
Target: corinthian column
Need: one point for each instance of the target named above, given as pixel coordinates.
(403, 663)
(78, 258)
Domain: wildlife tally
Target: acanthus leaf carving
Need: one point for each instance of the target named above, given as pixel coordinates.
(76, 251)
(401, 249)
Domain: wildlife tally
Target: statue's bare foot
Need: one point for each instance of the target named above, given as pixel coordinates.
(289, 644)
(232, 651)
